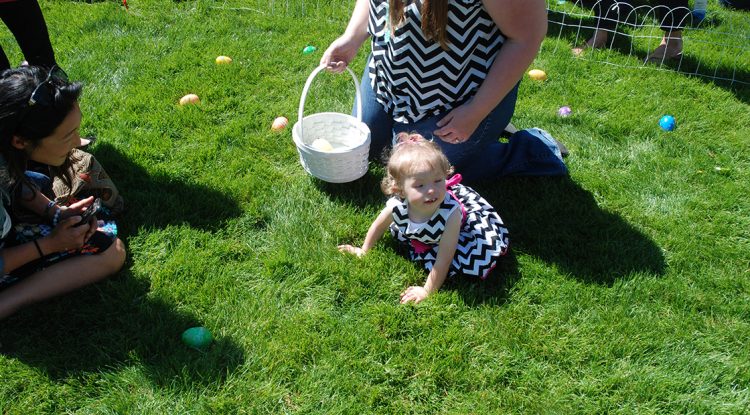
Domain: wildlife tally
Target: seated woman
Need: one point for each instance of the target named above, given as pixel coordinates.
(449, 70)
(39, 125)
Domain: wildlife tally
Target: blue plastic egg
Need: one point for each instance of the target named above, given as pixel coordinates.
(667, 123)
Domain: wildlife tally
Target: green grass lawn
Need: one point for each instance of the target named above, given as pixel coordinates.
(627, 289)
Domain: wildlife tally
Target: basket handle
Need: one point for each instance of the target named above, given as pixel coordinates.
(317, 70)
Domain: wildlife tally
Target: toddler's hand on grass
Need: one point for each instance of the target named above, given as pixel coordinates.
(414, 293)
(351, 249)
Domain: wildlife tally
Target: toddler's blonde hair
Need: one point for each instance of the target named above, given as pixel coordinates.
(411, 154)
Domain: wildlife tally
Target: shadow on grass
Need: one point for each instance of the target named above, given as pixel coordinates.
(113, 326)
(552, 218)
(566, 27)
(556, 220)
(494, 288)
(161, 200)
(362, 192)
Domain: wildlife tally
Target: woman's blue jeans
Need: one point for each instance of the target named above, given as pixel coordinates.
(486, 154)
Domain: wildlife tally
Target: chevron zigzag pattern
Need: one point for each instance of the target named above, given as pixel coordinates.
(483, 238)
(415, 78)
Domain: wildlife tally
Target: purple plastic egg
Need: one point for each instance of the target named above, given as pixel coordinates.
(564, 111)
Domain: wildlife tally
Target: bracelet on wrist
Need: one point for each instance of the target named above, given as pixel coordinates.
(56, 217)
(38, 248)
(48, 207)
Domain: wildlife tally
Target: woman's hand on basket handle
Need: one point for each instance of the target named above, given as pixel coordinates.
(343, 50)
(337, 57)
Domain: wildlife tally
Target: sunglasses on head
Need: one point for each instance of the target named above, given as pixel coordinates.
(44, 93)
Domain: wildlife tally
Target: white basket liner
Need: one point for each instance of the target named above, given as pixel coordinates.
(349, 137)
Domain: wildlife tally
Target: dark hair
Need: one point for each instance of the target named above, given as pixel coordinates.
(32, 123)
(434, 18)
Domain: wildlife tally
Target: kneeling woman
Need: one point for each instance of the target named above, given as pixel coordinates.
(39, 123)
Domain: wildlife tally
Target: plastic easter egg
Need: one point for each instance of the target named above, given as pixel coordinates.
(223, 60)
(197, 337)
(190, 99)
(309, 49)
(279, 123)
(537, 75)
(321, 144)
(564, 111)
(667, 123)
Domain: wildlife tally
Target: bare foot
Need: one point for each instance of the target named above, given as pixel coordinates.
(598, 41)
(670, 48)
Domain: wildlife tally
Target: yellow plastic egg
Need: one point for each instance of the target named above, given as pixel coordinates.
(279, 123)
(190, 99)
(537, 75)
(223, 60)
(321, 144)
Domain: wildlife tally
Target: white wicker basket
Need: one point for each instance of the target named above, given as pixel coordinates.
(349, 137)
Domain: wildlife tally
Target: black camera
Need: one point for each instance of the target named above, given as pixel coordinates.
(89, 212)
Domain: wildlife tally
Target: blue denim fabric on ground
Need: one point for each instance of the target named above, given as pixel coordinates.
(484, 155)
(42, 182)
(736, 4)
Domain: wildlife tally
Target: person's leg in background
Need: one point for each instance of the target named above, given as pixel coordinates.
(375, 117)
(673, 15)
(608, 14)
(25, 20)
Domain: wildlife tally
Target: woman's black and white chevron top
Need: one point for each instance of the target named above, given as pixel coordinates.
(414, 78)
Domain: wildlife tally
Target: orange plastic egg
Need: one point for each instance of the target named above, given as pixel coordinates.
(279, 123)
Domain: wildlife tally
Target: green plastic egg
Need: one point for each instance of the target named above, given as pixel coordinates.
(197, 337)
(309, 49)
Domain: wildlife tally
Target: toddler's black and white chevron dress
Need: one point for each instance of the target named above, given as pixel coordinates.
(482, 240)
